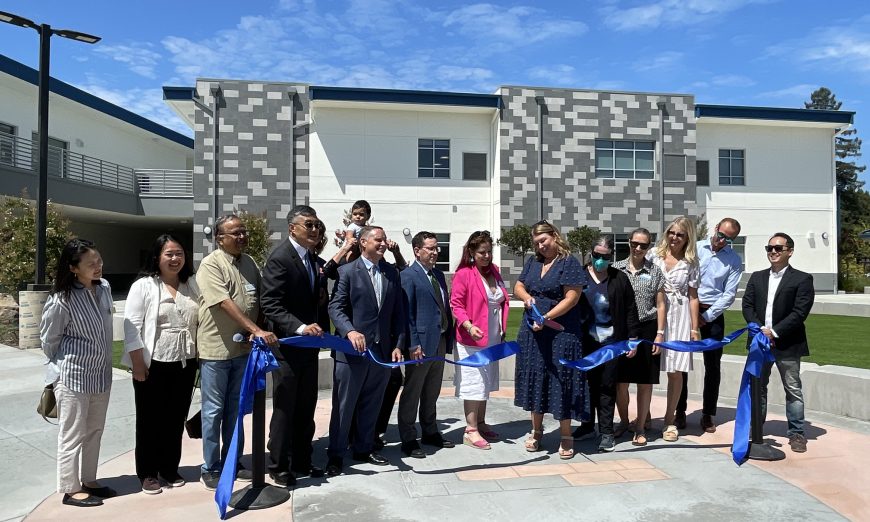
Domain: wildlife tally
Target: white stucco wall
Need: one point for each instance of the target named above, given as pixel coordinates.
(371, 154)
(101, 136)
(789, 188)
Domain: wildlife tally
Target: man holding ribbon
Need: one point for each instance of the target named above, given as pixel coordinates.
(229, 284)
(368, 308)
(721, 269)
(294, 303)
(431, 334)
(780, 298)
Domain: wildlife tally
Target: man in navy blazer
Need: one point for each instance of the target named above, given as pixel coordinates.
(367, 307)
(780, 299)
(431, 334)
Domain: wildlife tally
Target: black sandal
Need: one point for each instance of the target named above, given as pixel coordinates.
(88, 501)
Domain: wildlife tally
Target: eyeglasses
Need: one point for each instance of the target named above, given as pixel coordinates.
(635, 244)
(721, 236)
(237, 234)
(311, 224)
(597, 255)
(678, 235)
(775, 248)
(436, 249)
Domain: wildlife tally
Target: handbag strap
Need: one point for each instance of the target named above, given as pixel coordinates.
(49, 387)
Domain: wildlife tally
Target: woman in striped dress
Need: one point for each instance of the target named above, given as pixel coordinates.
(676, 256)
(76, 334)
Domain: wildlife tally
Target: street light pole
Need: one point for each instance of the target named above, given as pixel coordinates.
(45, 33)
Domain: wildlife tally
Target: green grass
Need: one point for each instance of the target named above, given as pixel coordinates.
(833, 339)
(117, 352)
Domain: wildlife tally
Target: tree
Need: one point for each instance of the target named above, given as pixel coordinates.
(582, 239)
(18, 242)
(517, 239)
(259, 244)
(853, 201)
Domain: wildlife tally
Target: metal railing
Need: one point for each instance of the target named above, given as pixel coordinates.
(24, 154)
(164, 183)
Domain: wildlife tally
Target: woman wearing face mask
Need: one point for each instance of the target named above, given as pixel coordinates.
(610, 313)
(677, 258)
(551, 281)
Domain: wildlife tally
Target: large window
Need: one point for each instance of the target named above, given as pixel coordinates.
(623, 159)
(7, 144)
(56, 155)
(474, 166)
(731, 167)
(443, 262)
(433, 158)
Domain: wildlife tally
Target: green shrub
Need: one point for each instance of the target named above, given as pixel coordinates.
(259, 244)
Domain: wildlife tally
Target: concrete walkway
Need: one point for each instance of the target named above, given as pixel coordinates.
(693, 478)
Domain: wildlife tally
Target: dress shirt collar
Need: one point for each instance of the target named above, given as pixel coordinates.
(778, 275)
(299, 249)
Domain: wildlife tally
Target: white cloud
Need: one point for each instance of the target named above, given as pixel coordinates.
(662, 61)
(147, 102)
(668, 13)
(501, 28)
(138, 57)
(801, 91)
(732, 80)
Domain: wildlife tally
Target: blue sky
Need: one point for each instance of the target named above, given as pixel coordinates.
(741, 52)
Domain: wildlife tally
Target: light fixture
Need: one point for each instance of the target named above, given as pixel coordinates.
(406, 231)
(206, 230)
(825, 236)
(811, 235)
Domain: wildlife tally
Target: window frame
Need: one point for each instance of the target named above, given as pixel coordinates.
(443, 262)
(437, 170)
(731, 159)
(485, 165)
(601, 150)
(7, 144)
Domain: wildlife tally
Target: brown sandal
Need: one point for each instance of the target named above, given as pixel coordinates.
(639, 439)
(566, 454)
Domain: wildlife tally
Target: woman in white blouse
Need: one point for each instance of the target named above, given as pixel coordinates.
(160, 320)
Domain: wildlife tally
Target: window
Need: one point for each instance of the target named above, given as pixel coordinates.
(731, 167)
(7, 144)
(621, 250)
(702, 173)
(739, 246)
(474, 166)
(623, 159)
(433, 158)
(674, 167)
(56, 155)
(443, 262)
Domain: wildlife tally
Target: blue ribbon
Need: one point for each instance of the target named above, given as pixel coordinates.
(533, 315)
(482, 358)
(759, 354)
(260, 362)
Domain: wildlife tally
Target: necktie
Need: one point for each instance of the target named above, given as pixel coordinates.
(376, 283)
(309, 265)
(439, 298)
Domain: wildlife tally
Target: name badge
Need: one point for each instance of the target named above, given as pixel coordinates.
(644, 277)
(250, 289)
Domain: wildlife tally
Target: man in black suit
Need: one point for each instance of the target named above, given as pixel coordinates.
(368, 308)
(780, 299)
(294, 303)
(431, 334)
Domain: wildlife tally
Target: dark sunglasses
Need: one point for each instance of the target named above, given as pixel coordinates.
(596, 255)
(635, 244)
(721, 236)
(311, 225)
(679, 235)
(775, 248)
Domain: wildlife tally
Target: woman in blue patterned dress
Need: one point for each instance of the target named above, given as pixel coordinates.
(551, 281)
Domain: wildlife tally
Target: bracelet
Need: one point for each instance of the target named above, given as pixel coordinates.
(696, 331)
(469, 327)
(660, 332)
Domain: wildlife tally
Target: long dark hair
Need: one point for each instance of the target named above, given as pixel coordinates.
(71, 255)
(152, 264)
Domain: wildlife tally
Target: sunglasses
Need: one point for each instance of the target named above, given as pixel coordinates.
(237, 234)
(311, 225)
(721, 236)
(678, 235)
(635, 244)
(775, 248)
(596, 255)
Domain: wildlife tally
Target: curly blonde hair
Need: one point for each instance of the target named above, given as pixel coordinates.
(544, 227)
(690, 252)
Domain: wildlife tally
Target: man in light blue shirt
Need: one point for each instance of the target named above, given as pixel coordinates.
(721, 269)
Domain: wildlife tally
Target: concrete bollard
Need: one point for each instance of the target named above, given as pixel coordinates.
(30, 305)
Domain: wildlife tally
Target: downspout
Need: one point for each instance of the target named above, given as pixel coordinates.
(540, 101)
(660, 165)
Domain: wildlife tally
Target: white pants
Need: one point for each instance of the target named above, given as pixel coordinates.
(81, 418)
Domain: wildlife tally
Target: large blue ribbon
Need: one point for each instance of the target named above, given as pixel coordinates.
(481, 358)
(260, 362)
(759, 354)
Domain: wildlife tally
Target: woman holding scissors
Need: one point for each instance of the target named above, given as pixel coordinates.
(550, 286)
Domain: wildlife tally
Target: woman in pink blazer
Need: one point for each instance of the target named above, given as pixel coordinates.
(479, 301)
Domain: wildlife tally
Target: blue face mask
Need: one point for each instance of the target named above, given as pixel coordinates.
(600, 265)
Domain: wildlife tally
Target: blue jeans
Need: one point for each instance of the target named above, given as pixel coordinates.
(221, 383)
(790, 372)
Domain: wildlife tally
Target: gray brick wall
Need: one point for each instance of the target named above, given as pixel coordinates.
(572, 195)
(258, 146)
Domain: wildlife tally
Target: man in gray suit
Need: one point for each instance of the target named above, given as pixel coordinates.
(368, 309)
(431, 334)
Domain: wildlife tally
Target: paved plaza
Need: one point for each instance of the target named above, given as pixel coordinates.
(693, 478)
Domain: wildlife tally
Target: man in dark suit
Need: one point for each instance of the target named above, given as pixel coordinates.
(293, 301)
(368, 308)
(431, 334)
(780, 299)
